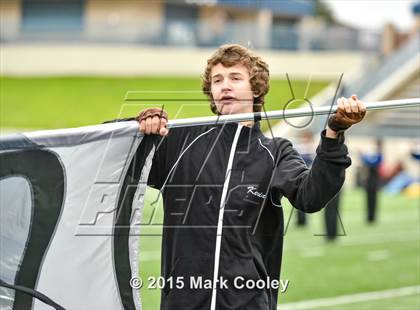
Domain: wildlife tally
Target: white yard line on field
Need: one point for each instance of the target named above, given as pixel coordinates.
(349, 299)
(344, 241)
(319, 250)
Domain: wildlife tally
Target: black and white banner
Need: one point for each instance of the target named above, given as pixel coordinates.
(69, 202)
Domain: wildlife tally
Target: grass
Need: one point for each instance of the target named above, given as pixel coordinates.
(367, 258)
(59, 102)
(400, 303)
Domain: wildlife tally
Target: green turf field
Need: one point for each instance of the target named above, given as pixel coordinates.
(38, 103)
(365, 258)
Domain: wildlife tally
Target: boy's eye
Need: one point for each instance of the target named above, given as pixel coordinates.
(216, 81)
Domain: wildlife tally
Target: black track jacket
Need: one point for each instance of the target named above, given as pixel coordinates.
(221, 187)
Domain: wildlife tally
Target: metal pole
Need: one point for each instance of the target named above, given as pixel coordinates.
(282, 114)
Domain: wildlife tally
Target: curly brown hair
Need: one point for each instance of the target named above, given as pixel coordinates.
(230, 55)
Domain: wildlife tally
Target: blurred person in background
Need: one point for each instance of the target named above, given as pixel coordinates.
(372, 162)
(331, 217)
(413, 189)
(306, 148)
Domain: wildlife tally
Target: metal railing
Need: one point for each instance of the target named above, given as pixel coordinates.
(194, 33)
(386, 67)
(373, 78)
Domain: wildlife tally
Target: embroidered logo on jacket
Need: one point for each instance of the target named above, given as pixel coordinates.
(252, 190)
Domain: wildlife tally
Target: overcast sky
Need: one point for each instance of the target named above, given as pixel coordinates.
(373, 14)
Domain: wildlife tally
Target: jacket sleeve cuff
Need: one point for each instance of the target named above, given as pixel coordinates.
(331, 143)
(333, 150)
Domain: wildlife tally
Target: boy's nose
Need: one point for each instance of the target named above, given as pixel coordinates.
(226, 85)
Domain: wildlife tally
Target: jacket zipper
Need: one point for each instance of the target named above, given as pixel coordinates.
(220, 219)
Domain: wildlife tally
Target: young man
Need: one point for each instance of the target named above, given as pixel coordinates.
(222, 186)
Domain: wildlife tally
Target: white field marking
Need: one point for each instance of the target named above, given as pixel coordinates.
(349, 299)
(374, 256)
(386, 238)
(313, 250)
(342, 240)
